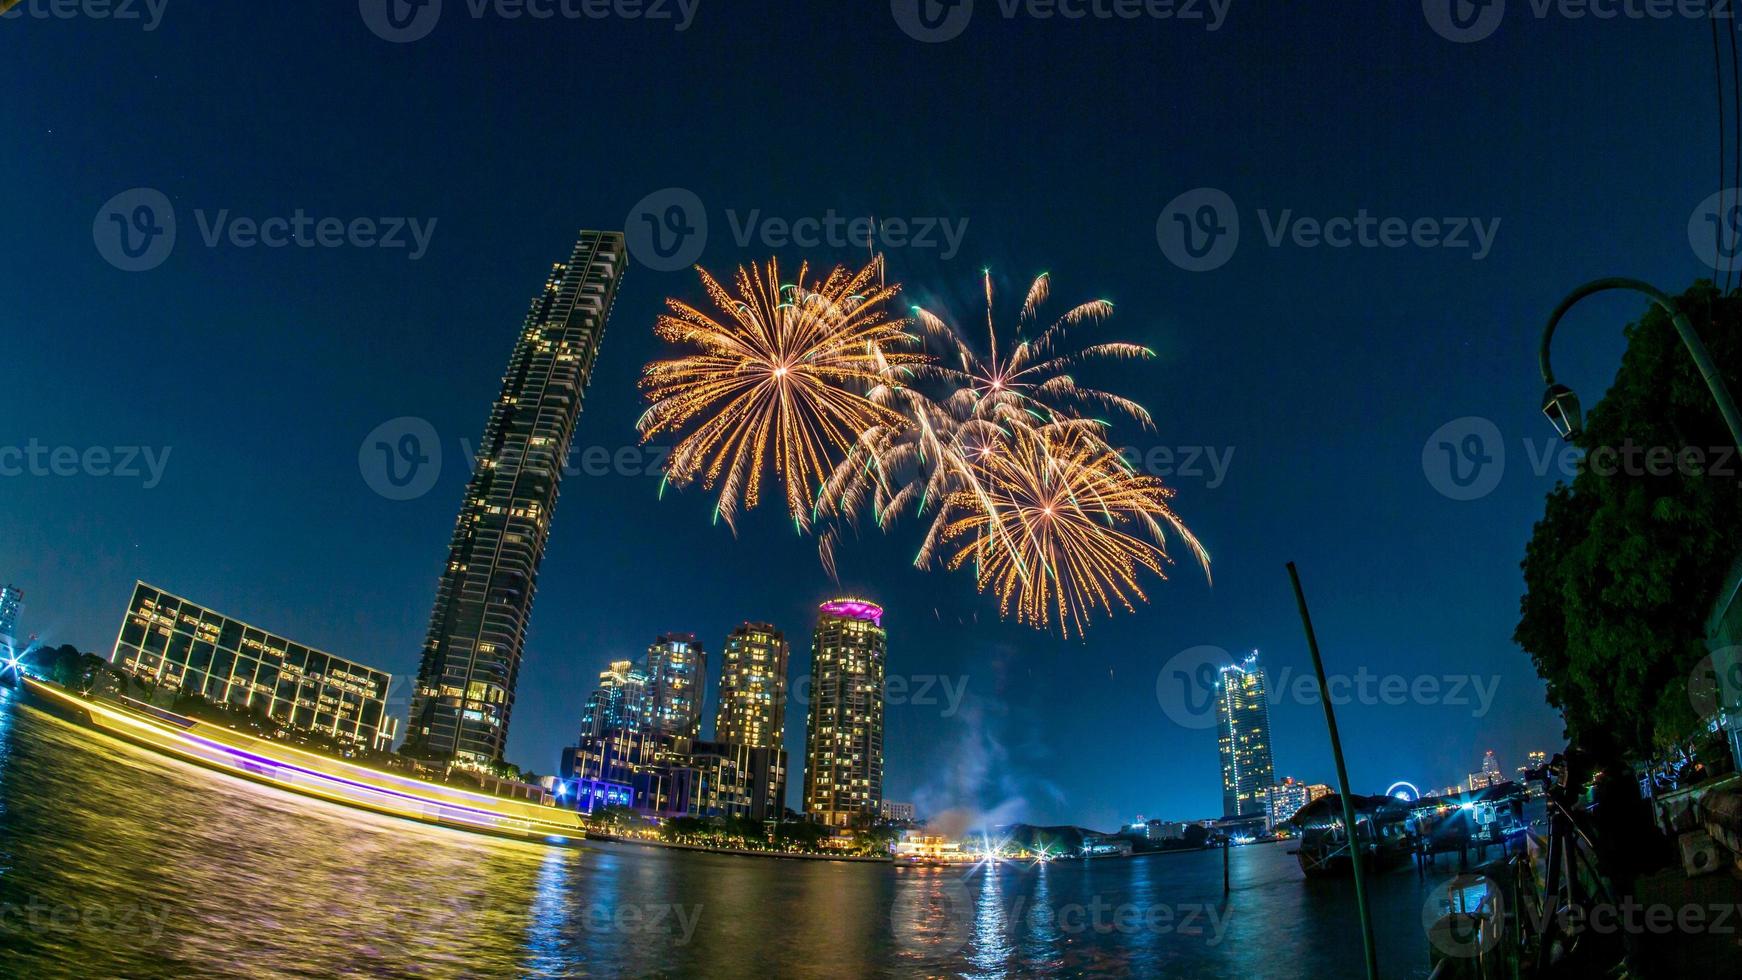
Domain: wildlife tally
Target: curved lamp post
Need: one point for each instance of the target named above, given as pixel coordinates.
(1562, 406)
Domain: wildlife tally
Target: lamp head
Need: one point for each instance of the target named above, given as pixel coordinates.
(1562, 408)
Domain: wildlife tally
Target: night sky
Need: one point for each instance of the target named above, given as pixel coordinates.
(1323, 370)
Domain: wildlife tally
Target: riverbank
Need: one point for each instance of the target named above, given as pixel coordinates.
(738, 851)
(261, 761)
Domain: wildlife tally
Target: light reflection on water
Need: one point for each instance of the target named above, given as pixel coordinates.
(117, 862)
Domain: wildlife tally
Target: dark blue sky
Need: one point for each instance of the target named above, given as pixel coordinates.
(1324, 370)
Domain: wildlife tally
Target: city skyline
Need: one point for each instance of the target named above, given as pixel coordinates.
(1424, 336)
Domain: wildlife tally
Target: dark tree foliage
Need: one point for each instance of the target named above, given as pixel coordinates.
(1622, 570)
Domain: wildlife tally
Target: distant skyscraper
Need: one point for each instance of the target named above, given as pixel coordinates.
(620, 700)
(843, 773)
(11, 599)
(1490, 774)
(677, 672)
(1243, 737)
(471, 658)
(752, 699)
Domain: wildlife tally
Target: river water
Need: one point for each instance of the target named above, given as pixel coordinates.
(116, 862)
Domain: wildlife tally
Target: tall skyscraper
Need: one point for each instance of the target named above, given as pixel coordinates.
(843, 773)
(471, 657)
(677, 675)
(752, 699)
(11, 599)
(1243, 737)
(620, 700)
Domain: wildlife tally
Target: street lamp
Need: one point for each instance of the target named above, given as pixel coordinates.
(1562, 406)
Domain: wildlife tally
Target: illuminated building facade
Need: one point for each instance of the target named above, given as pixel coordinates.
(752, 701)
(464, 697)
(1243, 737)
(620, 700)
(897, 812)
(677, 672)
(723, 779)
(172, 642)
(1490, 774)
(11, 600)
(843, 775)
(1283, 801)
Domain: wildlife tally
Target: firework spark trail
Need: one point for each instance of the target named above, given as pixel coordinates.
(1068, 528)
(983, 399)
(784, 376)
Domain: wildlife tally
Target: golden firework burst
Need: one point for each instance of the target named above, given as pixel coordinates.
(1060, 527)
(783, 375)
(971, 403)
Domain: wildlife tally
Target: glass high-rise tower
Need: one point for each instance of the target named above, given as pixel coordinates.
(843, 773)
(677, 672)
(752, 709)
(471, 657)
(1243, 736)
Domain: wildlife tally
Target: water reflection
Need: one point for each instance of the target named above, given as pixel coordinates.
(115, 862)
